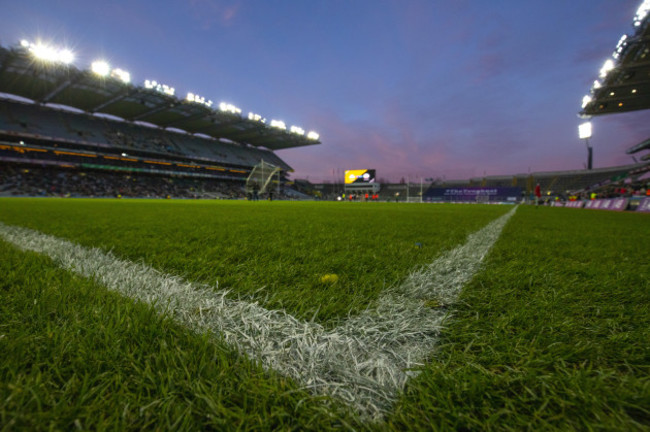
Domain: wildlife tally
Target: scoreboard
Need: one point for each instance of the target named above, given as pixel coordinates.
(359, 177)
(361, 180)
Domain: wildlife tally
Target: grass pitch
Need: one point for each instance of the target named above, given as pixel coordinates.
(550, 335)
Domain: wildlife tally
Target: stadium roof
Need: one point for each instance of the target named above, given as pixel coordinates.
(624, 80)
(60, 82)
(643, 145)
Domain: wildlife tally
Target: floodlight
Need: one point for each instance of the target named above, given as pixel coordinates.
(620, 46)
(278, 124)
(226, 107)
(66, 56)
(313, 136)
(44, 52)
(255, 117)
(191, 97)
(641, 13)
(584, 130)
(162, 88)
(24, 43)
(297, 130)
(608, 66)
(597, 84)
(122, 75)
(586, 101)
(100, 67)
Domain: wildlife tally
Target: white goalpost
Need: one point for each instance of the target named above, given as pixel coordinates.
(260, 179)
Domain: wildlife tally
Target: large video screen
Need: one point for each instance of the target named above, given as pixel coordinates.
(363, 176)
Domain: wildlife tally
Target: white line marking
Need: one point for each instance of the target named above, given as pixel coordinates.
(366, 361)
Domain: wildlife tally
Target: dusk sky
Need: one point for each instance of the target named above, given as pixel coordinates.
(433, 88)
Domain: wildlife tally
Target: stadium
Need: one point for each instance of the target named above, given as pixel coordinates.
(162, 269)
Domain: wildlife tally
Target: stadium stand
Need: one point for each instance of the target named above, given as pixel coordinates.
(63, 122)
(53, 181)
(555, 182)
(41, 136)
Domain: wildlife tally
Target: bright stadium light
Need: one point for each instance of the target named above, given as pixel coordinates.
(607, 66)
(279, 124)
(122, 75)
(226, 107)
(642, 13)
(43, 52)
(586, 101)
(297, 130)
(584, 130)
(101, 68)
(620, 46)
(191, 97)
(256, 117)
(161, 88)
(597, 85)
(47, 53)
(313, 136)
(66, 56)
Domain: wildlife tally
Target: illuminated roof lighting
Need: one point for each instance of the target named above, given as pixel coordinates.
(642, 13)
(584, 130)
(191, 97)
(122, 75)
(607, 66)
(66, 56)
(586, 101)
(101, 68)
(256, 117)
(161, 88)
(278, 124)
(297, 130)
(48, 53)
(43, 52)
(597, 85)
(226, 107)
(620, 46)
(313, 136)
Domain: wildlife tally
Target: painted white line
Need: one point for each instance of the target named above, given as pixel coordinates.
(366, 361)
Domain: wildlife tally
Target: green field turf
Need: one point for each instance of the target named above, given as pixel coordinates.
(278, 251)
(553, 334)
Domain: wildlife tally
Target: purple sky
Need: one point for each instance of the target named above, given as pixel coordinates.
(444, 88)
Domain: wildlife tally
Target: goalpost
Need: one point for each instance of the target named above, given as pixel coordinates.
(260, 179)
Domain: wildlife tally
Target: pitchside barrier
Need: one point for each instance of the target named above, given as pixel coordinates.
(644, 205)
(613, 204)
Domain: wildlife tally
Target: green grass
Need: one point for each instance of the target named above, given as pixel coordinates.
(553, 334)
(75, 356)
(276, 251)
